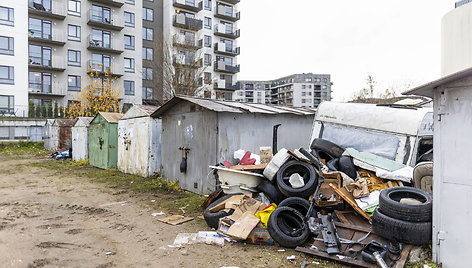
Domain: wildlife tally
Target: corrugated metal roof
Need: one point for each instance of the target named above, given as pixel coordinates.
(148, 109)
(234, 107)
(111, 117)
(85, 120)
(65, 122)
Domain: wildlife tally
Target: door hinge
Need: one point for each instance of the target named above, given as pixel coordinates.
(441, 236)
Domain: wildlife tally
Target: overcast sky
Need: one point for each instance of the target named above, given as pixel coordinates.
(397, 42)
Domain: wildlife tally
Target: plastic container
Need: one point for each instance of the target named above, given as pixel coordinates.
(236, 181)
(274, 165)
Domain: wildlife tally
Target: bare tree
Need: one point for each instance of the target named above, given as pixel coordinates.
(368, 91)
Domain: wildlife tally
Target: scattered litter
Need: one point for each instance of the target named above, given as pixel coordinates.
(340, 257)
(281, 250)
(315, 262)
(175, 219)
(110, 253)
(152, 201)
(132, 182)
(291, 258)
(157, 214)
(296, 181)
(210, 238)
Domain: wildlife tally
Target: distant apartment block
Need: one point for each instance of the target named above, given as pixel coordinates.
(298, 90)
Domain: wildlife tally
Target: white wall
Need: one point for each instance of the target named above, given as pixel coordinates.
(20, 59)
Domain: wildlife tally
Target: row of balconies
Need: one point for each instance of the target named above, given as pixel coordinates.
(222, 12)
(57, 9)
(223, 85)
(221, 66)
(182, 21)
(55, 88)
(58, 64)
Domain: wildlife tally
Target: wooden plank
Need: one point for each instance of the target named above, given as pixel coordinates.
(352, 227)
(341, 217)
(326, 256)
(404, 256)
(350, 201)
(248, 167)
(175, 219)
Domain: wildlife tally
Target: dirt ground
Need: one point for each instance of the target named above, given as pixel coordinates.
(50, 218)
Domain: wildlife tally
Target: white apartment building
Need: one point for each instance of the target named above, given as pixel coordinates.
(206, 32)
(13, 58)
(297, 90)
(48, 48)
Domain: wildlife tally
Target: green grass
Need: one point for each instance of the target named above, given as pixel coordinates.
(22, 148)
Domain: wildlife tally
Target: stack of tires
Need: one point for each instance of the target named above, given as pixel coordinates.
(404, 215)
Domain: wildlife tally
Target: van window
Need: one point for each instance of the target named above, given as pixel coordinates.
(381, 144)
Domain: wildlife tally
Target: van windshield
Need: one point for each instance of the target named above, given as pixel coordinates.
(381, 144)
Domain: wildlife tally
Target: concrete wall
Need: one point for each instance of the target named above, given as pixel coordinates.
(456, 40)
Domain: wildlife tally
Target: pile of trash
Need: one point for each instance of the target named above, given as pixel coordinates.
(61, 154)
(322, 193)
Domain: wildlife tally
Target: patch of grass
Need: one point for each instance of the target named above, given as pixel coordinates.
(189, 202)
(22, 148)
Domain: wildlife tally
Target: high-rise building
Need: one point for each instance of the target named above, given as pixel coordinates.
(298, 90)
(195, 35)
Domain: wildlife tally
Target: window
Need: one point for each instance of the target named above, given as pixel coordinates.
(39, 82)
(207, 78)
(129, 19)
(207, 4)
(39, 55)
(324, 87)
(73, 83)
(207, 41)
(147, 73)
(126, 107)
(101, 63)
(148, 14)
(147, 93)
(101, 14)
(308, 79)
(129, 87)
(147, 53)
(129, 65)
(39, 28)
(7, 104)
(73, 32)
(101, 38)
(6, 45)
(207, 23)
(6, 16)
(309, 93)
(308, 100)
(303, 86)
(73, 58)
(303, 100)
(73, 8)
(259, 94)
(7, 75)
(303, 94)
(129, 42)
(207, 59)
(148, 34)
(131, 2)
(325, 80)
(309, 86)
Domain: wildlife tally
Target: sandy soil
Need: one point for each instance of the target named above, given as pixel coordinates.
(49, 220)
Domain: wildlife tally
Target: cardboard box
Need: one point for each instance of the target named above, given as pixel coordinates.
(247, 205)
(260, 236)
(241, 228)
(230, 203)
(336, 179)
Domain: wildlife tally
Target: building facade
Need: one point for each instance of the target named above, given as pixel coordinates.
(298, 90)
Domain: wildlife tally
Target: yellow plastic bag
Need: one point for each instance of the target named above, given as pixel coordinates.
(264, 214)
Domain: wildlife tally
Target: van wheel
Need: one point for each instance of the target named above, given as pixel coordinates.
(395, 202)
(326, 149)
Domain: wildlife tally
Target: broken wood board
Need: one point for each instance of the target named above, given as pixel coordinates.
(175, 219)
(249, 167)
(353, 232)
(351, 217)
(345, 195)
(212, 197)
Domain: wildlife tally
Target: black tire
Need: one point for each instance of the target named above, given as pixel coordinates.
(347, 166)
(300, 204)
(305, 170)
(212, 218)
(326, 149)
(271, 192)
(415, 233)
(389, 204)
(333, 164)
(286, 226)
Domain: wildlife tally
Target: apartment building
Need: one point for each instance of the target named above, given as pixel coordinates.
(67, 39)
(298, 90)
(13, 58)
(200, 35)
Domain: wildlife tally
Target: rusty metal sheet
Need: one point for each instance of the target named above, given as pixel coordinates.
(65, 122)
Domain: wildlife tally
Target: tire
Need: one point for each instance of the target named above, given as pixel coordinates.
(415, 233)
(300, 204)
(347, 166)
(272, 192)
(389, 204)
(326, 149)
(333, 164)
(286, 226)
(212, 218)
(303, 169)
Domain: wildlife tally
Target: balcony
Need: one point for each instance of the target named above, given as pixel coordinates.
(232, 2)
(57, 10)
(182, 21)
(185, 42)
(181, 61)
(57, 38)
(115, 3)
(57, 64)
(226, 13)
(55, 89)
(113, 22)
(223, 31)
(221, 48)
(221, 66)
(223, 85)
(113, 46)
(102, 70)
(185, 4)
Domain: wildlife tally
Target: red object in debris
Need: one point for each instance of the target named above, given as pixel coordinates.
(227, 164)
(246, 160)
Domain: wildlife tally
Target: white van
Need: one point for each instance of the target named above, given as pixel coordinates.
(397, 132)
